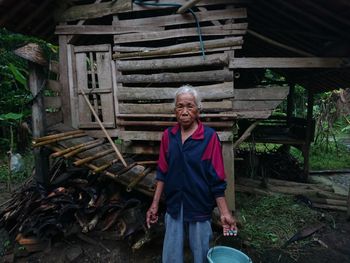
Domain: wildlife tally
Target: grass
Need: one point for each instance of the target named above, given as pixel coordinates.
(326, 159)
(28, 163)
(268, 222)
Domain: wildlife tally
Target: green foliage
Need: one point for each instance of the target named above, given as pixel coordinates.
(16, 97)
(335, 157)
(268, 222)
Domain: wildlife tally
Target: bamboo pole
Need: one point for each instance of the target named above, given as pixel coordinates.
(142, 175)
(88, 165)
(60, 153)
(103, 128)
(46, 142)
(83, 148)
(94, 157)
(55, 136)
(104, 166)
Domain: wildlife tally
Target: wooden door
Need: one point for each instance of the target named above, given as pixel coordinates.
(92, 72)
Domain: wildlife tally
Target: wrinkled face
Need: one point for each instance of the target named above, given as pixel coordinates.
(186, 110)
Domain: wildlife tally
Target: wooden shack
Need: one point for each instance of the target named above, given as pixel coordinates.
(130, 56)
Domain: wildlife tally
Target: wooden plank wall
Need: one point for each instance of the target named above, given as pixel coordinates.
(158, 50)
(52, 96)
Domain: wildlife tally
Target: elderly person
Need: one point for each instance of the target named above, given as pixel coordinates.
(191, 174)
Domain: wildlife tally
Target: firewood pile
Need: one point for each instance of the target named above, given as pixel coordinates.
(88, 199)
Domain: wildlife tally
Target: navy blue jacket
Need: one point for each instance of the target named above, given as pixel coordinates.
(193, 172)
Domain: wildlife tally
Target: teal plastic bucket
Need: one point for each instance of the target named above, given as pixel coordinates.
(222, 254)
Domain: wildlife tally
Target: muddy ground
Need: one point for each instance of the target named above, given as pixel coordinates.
(330, 244)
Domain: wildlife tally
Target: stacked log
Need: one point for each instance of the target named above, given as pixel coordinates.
(317, 195)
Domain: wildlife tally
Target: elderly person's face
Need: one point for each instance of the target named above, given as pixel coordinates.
(186, 110)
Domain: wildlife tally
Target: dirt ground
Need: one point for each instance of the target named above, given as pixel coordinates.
(330, 244)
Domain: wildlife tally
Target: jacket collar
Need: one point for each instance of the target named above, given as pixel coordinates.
(198, 133)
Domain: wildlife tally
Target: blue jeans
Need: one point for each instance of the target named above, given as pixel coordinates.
(199, 234)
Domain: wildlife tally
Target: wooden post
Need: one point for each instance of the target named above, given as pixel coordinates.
(306, 147)
(64, 80)
(290, 103)
(228, 155)
(36, 84)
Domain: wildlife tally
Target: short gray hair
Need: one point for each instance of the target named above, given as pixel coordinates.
(188, 89)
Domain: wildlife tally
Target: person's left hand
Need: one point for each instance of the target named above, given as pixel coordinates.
(229, 226)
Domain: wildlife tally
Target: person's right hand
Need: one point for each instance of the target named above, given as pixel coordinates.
(152, 215)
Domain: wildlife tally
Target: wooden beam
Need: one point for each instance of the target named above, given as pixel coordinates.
(182, 77)
(187, 6)
(89, 11)
(216, 91)
(295, 62)
(171, 63)
(186, 47)
(32, 52)
(222, 30)
(100, 29)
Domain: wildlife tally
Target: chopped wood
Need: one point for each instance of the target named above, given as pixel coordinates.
(172, 63)
(94, 157)
(296, 62)
(89, 11)
(187, 47)
(46, 142)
